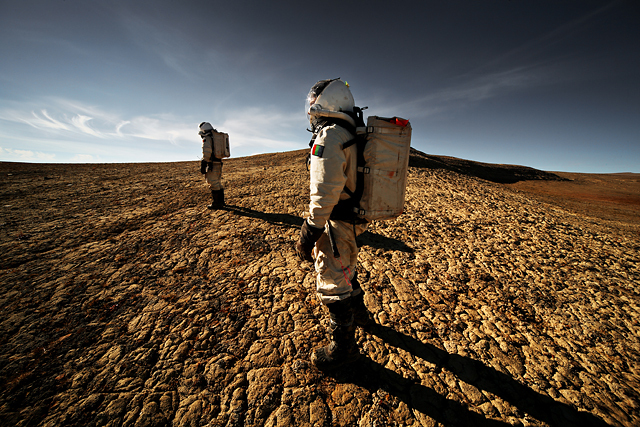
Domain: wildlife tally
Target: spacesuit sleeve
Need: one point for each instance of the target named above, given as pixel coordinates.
(327, 174)
(207, 148)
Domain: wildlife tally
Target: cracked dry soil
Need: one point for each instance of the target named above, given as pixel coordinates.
(125, 302)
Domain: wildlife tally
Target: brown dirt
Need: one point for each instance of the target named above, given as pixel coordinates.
(609, 197)
(127, 303)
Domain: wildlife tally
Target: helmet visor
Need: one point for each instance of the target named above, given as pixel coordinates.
(315, 92)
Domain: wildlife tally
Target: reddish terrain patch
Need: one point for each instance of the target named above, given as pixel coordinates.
(611, 197)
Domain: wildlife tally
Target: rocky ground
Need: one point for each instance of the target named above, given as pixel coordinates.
(125, 302)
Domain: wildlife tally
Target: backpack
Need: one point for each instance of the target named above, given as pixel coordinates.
(383, 162)
(219, 143)
(383, 147)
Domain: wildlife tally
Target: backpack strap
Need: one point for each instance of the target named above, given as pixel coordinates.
(347, 209)
(319, 124)
(360, 141)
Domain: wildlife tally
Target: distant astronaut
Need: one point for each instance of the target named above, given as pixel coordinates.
(215, 146)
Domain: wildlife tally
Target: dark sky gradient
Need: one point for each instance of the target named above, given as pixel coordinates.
(553, 85)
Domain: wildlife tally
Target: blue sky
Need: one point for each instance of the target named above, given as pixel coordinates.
(554, 85)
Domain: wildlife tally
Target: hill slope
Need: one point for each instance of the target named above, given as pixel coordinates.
(127, 303)
(504, 174)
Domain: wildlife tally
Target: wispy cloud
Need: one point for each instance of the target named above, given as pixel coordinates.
(38, 120)
(553, 37)
(83, 158)
(532, 64)
(81, 123)
(258, 127)
(72, 118)
(10, 154)
(488, 86)
(90, 133)
(471, 91)
(173, 47)
(162, 127)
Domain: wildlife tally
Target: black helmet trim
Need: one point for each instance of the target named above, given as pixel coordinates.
(317, 88)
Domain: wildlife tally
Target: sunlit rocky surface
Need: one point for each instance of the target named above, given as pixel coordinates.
(125, 302)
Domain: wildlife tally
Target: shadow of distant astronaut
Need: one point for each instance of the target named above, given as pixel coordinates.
(272, 218)
(382, 242)
(365, 239)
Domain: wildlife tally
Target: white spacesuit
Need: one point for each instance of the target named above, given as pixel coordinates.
(211, 166)
(329, 233)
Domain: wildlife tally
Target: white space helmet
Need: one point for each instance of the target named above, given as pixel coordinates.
(205, 127)
(330, 96)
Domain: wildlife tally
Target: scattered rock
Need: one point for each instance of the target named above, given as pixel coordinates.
(127, 302)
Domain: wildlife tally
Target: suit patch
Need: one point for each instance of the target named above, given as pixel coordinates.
(317, 150)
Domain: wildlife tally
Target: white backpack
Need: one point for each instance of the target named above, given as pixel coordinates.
(383, 147)
(219, 142)
(383, 165)
(383, 160)
(220, 145)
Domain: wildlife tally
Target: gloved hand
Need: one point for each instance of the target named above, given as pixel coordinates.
(203, 166)
(309, 235)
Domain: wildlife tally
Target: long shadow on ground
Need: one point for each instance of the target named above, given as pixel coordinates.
(369, 374)
(379, 241)
(365, 239)
(272, 218)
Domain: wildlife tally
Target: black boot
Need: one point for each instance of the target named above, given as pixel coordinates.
(342, 349)
(217, 197)
(361, 315)
(214, 203)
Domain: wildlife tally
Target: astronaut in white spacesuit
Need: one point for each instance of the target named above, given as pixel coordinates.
(328, 235)
(211, 166)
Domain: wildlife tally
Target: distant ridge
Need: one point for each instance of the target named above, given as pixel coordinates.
(503, 174)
